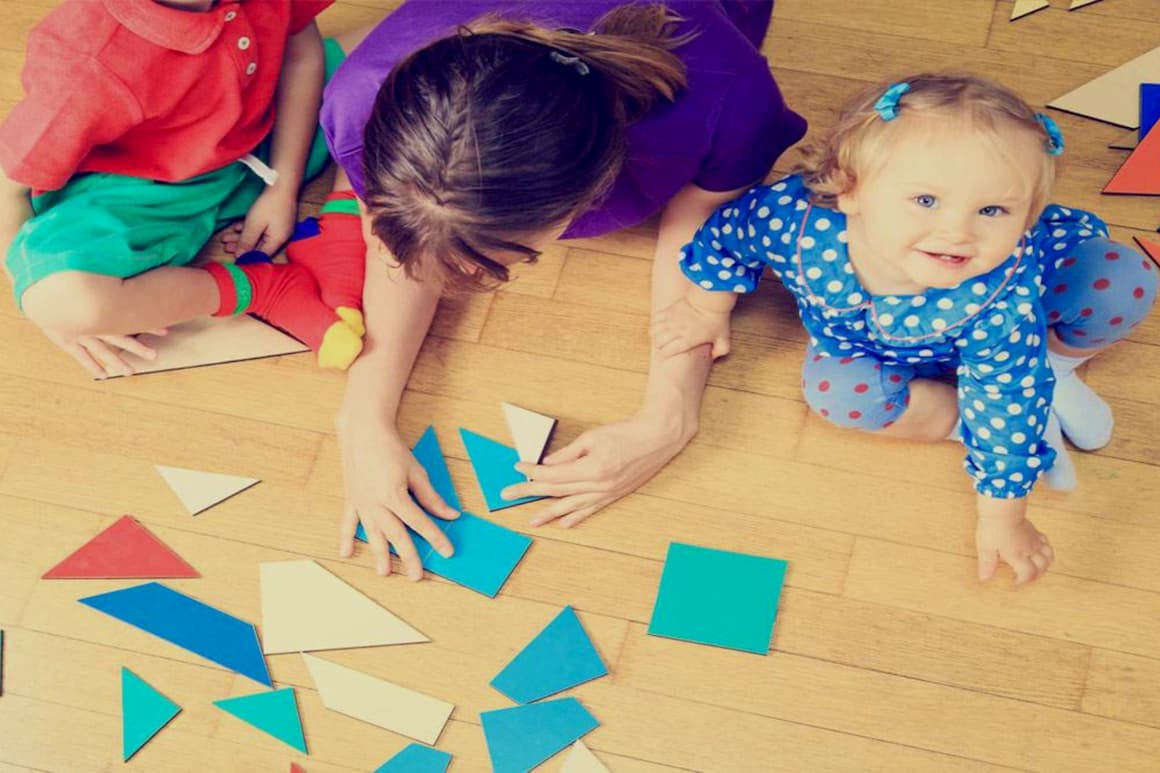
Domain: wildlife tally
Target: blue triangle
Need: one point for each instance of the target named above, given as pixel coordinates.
(494, 465)
(520, 738)
(274, 712)
(416, 759)
(144, 711)
(1149, 108)
(561, 656)
(188, 623)
(430, 455)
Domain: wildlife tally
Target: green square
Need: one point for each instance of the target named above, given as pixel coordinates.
(718, 597)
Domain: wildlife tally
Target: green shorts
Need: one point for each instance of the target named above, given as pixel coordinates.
(121, 226)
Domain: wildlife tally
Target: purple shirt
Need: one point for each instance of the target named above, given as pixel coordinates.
(724, 131)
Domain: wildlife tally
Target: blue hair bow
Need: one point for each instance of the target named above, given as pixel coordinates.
(1054, 135)
(887, 104)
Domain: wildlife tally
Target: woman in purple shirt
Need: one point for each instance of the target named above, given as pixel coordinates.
(476, 132)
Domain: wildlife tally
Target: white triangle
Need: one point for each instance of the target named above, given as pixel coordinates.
(305, 607)
(1075, 4)
(214, 341)
(1024, 7)
(381, 703)
(582, 760)
(1114, 96)
(199, 490)
(530, 431)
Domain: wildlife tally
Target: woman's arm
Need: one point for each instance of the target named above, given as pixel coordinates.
(605, 463)
(379, 470)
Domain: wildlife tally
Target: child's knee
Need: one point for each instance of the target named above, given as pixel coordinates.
(73, 302)
(853, 404)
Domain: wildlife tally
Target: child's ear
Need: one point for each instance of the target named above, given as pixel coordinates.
(848, 203)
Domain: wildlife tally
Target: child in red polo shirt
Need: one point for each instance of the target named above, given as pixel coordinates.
(146, 126)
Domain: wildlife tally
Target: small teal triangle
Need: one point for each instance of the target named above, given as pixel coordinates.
(416, 758)
(495, 469)
(561, 656)
(144, 711)
(520, 738)
(273, 712)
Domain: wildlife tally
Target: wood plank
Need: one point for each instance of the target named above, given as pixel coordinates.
(1098, 614)
(1123, 687)
(911, 712)
(1104, 39)
(946, 21)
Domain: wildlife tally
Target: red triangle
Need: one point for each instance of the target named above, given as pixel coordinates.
(296, 768)
(125, 549)
(1140, 173)
(1152, 249)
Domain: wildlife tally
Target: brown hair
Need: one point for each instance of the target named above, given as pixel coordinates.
(497, 133)
(853, 145)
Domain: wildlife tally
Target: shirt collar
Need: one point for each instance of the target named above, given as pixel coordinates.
(188, 32)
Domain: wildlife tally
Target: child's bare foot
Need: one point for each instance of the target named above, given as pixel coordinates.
(1004, 534)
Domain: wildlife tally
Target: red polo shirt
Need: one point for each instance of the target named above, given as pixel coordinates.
(142, 89)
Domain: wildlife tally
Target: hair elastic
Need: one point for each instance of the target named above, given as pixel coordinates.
(1054, 135)
(574, 62)
(887, 104)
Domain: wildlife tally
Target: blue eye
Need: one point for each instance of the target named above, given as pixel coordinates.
(925, 200)
(994, 210)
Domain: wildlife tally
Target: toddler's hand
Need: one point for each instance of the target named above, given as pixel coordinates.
(683, 326)
(268, 224)
(104, 356)
(1004, 533)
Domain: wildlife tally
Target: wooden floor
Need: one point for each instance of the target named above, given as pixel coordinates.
(887, 654)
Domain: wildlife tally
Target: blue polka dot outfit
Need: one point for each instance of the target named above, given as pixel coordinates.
(990, 331)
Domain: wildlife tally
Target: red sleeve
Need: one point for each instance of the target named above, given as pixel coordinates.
(71, 105)
(302, 12)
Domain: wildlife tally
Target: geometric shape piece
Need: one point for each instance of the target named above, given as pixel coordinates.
(430, 456)
(561, 656)
(1077, 4)
(485, 554)
(144, 711)
(126, 549)
(1025, 7)
(214, 341)
(1113, 97)
(520, 738)
(582, 760)
(1140, 173)
(1151, 249)
(1126, 142)
(494, 465)
(188, 623)
(1149, 108)
(274, 713)
(530, 431)
(416, 759)
(296, 768)
(378, 702)
(305, 608)
(199, 490)
(718, 597)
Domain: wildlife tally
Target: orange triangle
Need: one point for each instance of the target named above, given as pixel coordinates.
(125, 549)
(1152, 249)
(1140, 174)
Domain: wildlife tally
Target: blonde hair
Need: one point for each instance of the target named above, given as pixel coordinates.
(852, 147)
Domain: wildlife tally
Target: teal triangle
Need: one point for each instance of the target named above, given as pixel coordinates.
(273, 712)
(561, 656)
(520, 738)
(144, 711)
(416, 758)
(495, 469)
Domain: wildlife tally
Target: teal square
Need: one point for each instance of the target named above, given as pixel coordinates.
(718, 597)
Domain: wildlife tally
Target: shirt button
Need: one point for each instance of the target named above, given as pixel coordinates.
(251, 68)
(243, 43)
(231, 15)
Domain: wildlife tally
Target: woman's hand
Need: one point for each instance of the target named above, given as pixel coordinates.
(601, 466)
(380, 474)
